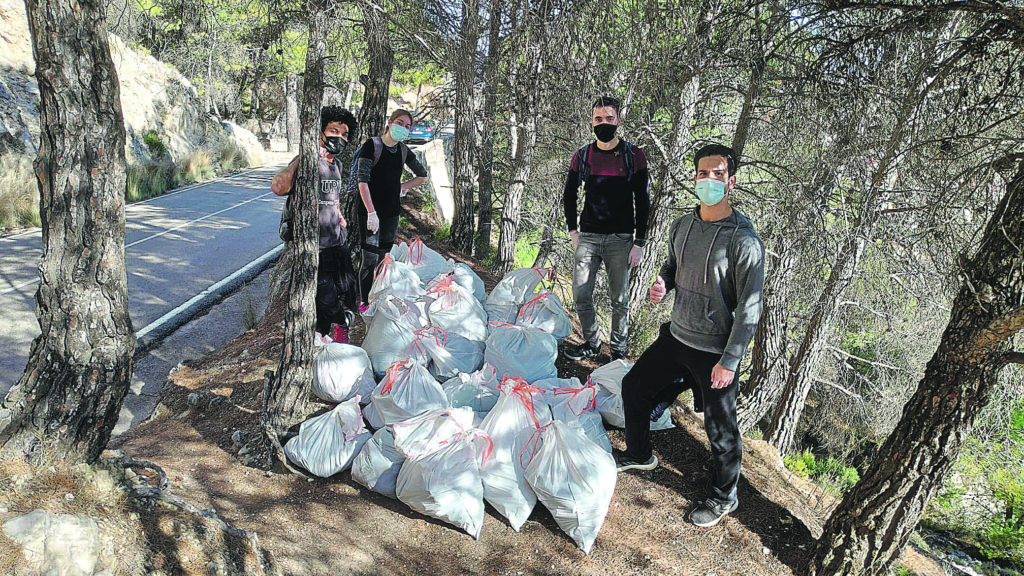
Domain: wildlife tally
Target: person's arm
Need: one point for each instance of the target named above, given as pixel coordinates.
(282, 182)
(364, 164)
(749, 278)
(641, 211)
(570, 195)
(418, 170)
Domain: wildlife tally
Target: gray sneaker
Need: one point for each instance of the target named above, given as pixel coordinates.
(709, 512)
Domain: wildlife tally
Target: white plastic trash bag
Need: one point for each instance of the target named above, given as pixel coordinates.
(423, 434)
(574, 479)
(446, 484)
(521, 352)
(390, 334)
(513, 291)
(575, 403)
(468, 279)
(407, 390)
(519, 413)
(377, 464)
(328, 443)
(609, 396)
(453, 309)
(457, 356)
(342, 371)
(477, 390)
(424, 261)
(393, 278)
(545, 311)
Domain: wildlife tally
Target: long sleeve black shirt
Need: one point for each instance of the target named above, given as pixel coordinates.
(613, 203)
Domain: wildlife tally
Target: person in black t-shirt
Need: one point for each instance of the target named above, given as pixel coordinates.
(379, 166)
(335, 282)
(612, 226)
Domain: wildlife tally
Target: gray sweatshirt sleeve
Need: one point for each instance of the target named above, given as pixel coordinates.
(668, 268)
(749, 279)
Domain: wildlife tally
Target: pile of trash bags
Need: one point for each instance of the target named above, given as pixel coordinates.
(453, 400)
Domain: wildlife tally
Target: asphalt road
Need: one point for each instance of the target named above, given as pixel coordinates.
(179, 246)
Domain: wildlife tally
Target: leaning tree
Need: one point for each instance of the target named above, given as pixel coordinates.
(80, 366)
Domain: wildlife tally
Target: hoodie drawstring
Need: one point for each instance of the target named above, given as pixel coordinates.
(711, 247)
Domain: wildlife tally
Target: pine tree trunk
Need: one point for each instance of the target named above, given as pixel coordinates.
(485, 154)
(79, 368)
(524, 139)
(291, 111)
(463, 221)
(866, 534)
(286, 394)
(381, 60)
(662, 192)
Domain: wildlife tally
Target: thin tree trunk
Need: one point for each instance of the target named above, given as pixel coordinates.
(79, 368)
(662, 192)
(485, 154)
(866, 534)
(291, 111)
(465, 128)
(286, 394)
(378, 77)
(739, 138)
(547, 239)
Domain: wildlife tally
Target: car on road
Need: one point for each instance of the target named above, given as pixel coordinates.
(422, 131)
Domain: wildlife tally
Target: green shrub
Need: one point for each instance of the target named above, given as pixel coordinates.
(156, 146)
(440, 234)
(19, 193)
(830, 472)
(149, 180)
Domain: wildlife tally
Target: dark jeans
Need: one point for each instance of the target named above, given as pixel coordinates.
(592, 250)
(335, 288)
(375, 246)
(665, 370)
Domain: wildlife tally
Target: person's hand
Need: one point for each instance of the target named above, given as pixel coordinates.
(658, 291)
(344, 224)
(372, 222)
(721, 377)
(634, 256)
(575, 235)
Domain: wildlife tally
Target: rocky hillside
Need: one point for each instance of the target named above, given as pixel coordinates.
(154, 97)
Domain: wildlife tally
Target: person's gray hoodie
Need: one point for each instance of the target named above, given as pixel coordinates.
(717, 270)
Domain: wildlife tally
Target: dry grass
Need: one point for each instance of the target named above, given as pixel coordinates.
(232, 157)
(19, 195)
(195, 167)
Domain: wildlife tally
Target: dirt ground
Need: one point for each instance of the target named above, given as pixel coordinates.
(335, 526)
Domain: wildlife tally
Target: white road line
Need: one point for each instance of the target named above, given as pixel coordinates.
(262, 260)
(185, 224)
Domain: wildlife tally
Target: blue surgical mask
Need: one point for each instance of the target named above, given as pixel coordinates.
(710, 190)
(399, 132)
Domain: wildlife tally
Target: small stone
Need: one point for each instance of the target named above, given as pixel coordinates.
(69, 497)
(766, 551)
(130, 474)
(269, 473)
(245, 450)
(193, 399)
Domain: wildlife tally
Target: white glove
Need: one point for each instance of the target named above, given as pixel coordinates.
(634, 256)
(372, 222)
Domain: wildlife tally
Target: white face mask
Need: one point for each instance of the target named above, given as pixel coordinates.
(710, 190)
(399, 132)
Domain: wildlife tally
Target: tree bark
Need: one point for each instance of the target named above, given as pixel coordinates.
(524, 140)
(662, 191)
(485, 154)
(866, 534)
(291, 111)
(79, 368)
(465, 128)
(378, 77)
(286, 394)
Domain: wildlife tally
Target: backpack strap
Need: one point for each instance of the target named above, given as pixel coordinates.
(405, 152)
(378, 149)
(627, 156)
(584, 164)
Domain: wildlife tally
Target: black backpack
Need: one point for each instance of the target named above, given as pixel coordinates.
(378, 149)
(627, 155)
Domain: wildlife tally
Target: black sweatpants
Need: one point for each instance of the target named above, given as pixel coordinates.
(375, 246)
(665, 370)
(335, 288)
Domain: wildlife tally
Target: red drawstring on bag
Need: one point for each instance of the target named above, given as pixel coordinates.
(392, 374)
(575, 391)
(531, 306)
(533, 441)
(416, 251)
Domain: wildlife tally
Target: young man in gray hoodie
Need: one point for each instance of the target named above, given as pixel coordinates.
(716, 266)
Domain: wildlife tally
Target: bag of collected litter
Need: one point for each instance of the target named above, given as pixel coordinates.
(400, 252)
(609, 396)
(342, 371)
(545, 311)
(453, 309)
(519, 412)
(393, 278)
(468, 279)
(424, 261)
(446, 484)
(513, 291)
(390, 334)
(377, 464)
(328, 443)
(445, 355)
(574, 479)
(407, 390)
(477, 390)
(521, 352)
(575, 403)
(423, 434)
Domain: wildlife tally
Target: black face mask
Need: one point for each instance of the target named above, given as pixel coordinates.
(334, 145)
(605, 132)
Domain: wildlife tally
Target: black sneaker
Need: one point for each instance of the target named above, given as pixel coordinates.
(585, 350)
(618, 355)
(709, 512)
(624, 462)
